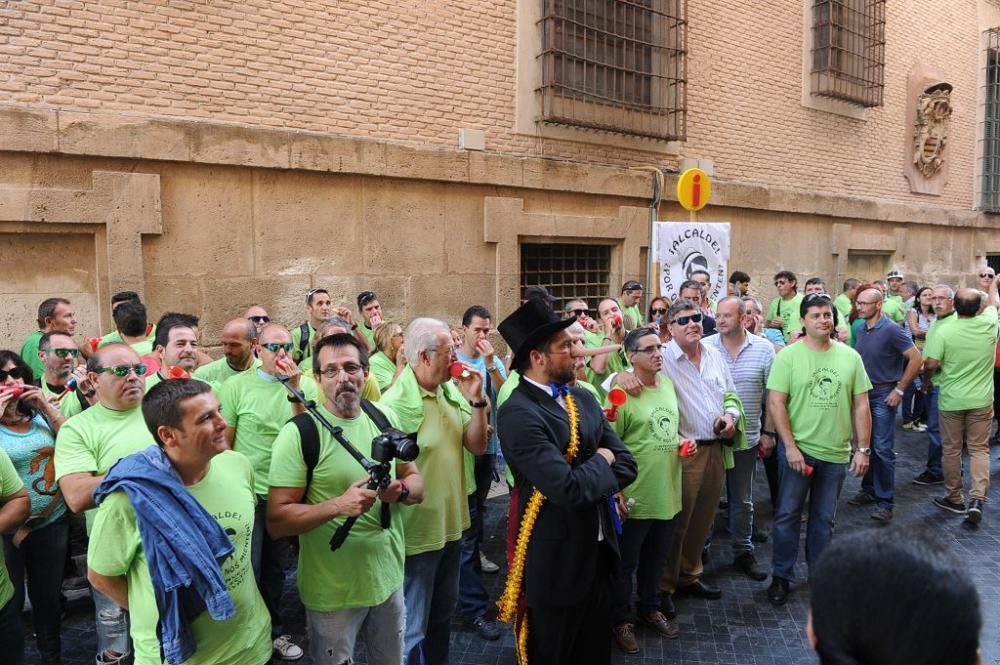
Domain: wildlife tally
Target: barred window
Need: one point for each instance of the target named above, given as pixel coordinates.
(848, 52)
(990, 150)
(567, 270)
(615, 65)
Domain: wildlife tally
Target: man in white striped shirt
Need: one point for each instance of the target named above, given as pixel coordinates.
(701, 380)
(749, 359)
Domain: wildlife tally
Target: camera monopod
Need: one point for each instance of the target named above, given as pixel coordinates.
(378, 474)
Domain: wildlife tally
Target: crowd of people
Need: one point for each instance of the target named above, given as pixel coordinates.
(361, 451)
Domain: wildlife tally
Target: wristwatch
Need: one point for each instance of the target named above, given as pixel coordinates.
(773, 435)
(899, 392)
(404, 493)
(478, 405)
(864, 451)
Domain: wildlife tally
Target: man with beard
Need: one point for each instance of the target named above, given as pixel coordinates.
(87, 446)
(238, 338)
(176, 346)
(256, 406)
(357, 589)
(566, 462)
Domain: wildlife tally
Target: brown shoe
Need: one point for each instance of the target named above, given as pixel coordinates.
(661, 624)
(625, 638)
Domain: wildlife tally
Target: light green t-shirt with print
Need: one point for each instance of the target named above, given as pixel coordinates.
(820, 387)
(227, 493)
(647, 425)
(966, 349)
(788, 310)
(256, 406)
(368, 567)
(94, 440)
(216, 372)
(10, 484)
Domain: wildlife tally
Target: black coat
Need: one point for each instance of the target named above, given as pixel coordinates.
(563, 553)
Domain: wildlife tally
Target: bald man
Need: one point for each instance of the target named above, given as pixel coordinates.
(238, 338)
(258, 315)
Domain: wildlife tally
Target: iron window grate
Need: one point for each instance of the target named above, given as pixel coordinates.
(567, 270)
(615, 65)
(848, 53)
(991, 125)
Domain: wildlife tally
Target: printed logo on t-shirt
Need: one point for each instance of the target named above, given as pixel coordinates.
(663, 426)
(240, 532)
(824, 386)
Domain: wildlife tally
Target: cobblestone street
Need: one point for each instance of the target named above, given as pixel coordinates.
(742, 628)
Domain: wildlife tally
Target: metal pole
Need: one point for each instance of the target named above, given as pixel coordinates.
(654, 205)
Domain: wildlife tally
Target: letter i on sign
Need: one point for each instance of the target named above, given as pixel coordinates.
(696, 191)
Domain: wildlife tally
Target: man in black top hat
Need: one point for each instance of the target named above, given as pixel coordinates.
(573, 545)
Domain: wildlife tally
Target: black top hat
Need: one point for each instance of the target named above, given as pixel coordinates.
(539, 293)
(528, 326)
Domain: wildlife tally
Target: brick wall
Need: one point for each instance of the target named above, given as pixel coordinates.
(416, 72)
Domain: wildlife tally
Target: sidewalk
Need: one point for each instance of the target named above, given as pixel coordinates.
(742, 628)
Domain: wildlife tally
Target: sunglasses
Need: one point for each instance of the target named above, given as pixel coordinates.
(817, 296)
(22, 373)
(123, 370)
(260, 319)
(62, 353)
(579, 312)
(690, 318)
(984, 275)
(274, 347)
(659, 310)
(365, 298)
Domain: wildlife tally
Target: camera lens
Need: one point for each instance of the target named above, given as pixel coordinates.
(407, 450)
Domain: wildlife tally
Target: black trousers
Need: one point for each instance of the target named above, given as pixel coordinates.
(575, 634)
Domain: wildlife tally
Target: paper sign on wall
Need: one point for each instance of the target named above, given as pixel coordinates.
(682, 248)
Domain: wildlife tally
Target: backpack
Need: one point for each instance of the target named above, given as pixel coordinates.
(304, 339)
(309, 434)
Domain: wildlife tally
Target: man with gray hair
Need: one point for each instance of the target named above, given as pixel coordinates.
(942, 299)
(749, 359)
(447, 418)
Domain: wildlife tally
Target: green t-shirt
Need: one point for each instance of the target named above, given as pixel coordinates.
(69, 404)
(369, 334)
(216, 372)
(382, 368)
(820, 387)
(143, 348)
(616, 363)
(368, 567)
(843, 305)
(788, 310)
(647, 424)
(444, 513)
(299, 353)
(256, 405)
(893, 308)
(29, 353)
(94, 440)
(966, 352)
(632, 316)
(226, 492)
(592, 340)
(10, 484)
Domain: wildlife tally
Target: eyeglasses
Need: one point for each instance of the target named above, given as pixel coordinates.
(690, 318)
(123, 370)
(659, 310)
(260, 319)
(861, 302)
(23, 373)
(648, 349)
(62, 353)
(350, 369)
(817, 296)
(274, 347)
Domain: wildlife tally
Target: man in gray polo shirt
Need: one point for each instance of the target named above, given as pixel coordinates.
(892, 363)
(749, 359)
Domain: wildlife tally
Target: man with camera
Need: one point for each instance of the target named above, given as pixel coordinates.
(357, 589)
(447, 419)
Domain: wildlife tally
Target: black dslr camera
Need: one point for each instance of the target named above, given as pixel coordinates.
(393, 444)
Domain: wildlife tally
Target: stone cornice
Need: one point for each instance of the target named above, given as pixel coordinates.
(45, 130)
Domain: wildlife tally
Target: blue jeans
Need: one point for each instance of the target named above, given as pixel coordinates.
(472, 597)
(333, 635)
(880, 479)
(934, 449)
(112, 626)
(822, 489)
(739, 494)
(914, 402)
(40, 557)
(430, 590)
